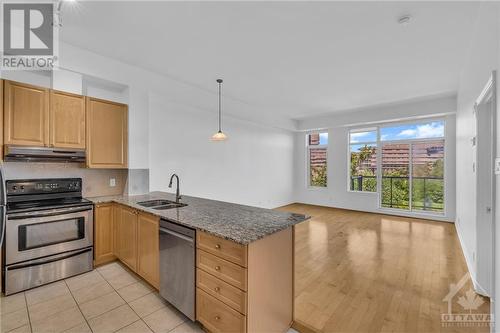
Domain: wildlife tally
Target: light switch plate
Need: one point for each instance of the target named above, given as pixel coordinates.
(112, 182)
(497, 166)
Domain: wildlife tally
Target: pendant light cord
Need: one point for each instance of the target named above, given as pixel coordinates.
(219, 81)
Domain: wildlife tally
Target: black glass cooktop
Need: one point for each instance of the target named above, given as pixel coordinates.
(25, 206)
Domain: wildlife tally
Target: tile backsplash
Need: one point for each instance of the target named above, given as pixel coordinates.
(95, 181)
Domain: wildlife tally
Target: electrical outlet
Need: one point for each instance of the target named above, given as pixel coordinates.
(112, 182)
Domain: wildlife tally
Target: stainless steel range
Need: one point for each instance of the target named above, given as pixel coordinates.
(48, 232)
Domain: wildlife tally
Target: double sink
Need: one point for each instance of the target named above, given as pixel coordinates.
(161, 204)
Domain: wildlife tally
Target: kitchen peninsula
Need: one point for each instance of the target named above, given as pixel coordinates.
(244, 255)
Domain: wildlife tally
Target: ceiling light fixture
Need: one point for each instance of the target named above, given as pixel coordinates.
(219, 136)
(404, 20)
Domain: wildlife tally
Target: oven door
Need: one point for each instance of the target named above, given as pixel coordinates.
(39, 234)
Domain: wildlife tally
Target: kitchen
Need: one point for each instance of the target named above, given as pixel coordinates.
(204, 257)
(244, 167)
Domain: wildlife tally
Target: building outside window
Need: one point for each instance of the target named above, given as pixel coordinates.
(317, 146)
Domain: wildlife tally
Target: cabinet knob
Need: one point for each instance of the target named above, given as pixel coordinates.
(217, 289)
(217, 246)
(217, 317)
(217, 268)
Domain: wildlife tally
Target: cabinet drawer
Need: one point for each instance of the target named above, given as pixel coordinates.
(223, 248)
(217, 316)
(223, 269)
(221, 290)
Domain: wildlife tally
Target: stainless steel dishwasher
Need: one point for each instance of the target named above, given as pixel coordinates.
(177, 266)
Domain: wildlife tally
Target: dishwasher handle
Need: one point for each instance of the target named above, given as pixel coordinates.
(176, 234)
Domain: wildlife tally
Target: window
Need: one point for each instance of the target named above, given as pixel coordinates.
(363, 160)
(317, 146)
(413, 167)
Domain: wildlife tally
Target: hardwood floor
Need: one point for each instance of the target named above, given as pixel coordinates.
(364, 272)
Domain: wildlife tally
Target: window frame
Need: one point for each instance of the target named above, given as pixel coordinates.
(411, 142)
(349, 144)
(308, 159)
(379, 143)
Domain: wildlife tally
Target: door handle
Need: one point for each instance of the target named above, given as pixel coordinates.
(48, 261)
(176, 234)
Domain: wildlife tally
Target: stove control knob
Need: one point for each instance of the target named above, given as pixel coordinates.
(14, 187)
(22, 187)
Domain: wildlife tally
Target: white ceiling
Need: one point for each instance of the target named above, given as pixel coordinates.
(295, 58)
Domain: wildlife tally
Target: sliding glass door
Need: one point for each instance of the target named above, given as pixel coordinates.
(412, 167)
(428, 176)
(396, 175)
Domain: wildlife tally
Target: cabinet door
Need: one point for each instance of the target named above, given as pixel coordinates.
(128, 237)
(107, 134)
(67, 120)
(103, 233)
(26, 114)
(148, 248)
(117, 218)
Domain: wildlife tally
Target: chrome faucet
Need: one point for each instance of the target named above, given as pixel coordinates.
(177, 195)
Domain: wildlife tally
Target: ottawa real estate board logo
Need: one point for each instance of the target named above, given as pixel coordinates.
(29, 36)
(470, 313)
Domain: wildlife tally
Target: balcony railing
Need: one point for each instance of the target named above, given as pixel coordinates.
(428, 192)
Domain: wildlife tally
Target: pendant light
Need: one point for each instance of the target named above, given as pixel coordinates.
(219, 136)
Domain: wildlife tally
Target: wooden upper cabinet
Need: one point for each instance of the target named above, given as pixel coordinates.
(67, 120)
(107, 134)
(26, 114)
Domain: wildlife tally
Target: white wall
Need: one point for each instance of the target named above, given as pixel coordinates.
(111, 79)
(253, 167)
(338, 125)
(482, 58)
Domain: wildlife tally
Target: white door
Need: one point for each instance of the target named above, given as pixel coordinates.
(485, 189)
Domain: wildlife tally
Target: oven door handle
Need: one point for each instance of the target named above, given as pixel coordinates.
(51, 213)
(43, 262)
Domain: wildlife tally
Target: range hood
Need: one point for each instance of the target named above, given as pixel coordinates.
(43, 154)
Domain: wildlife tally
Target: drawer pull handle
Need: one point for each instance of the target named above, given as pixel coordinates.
(217, 289)
(217, 246)
(217, 317)
(217, 268)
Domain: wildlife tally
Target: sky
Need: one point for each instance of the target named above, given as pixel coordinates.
(323, 138)
(434, 129)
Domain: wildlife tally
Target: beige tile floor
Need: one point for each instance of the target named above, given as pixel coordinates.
(108, 299)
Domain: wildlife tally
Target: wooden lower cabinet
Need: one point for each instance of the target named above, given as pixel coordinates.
(129, 235)
(103, 234)
(217, 316)
(245, 288)
(239, 288)
(148, 248)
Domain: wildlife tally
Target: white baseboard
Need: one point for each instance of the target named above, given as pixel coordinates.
(469, 263)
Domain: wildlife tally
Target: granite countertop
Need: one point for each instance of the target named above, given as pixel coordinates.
(238, 223)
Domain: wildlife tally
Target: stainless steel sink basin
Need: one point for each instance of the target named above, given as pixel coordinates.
(161, 204)
(152, 203)
(170, 206)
